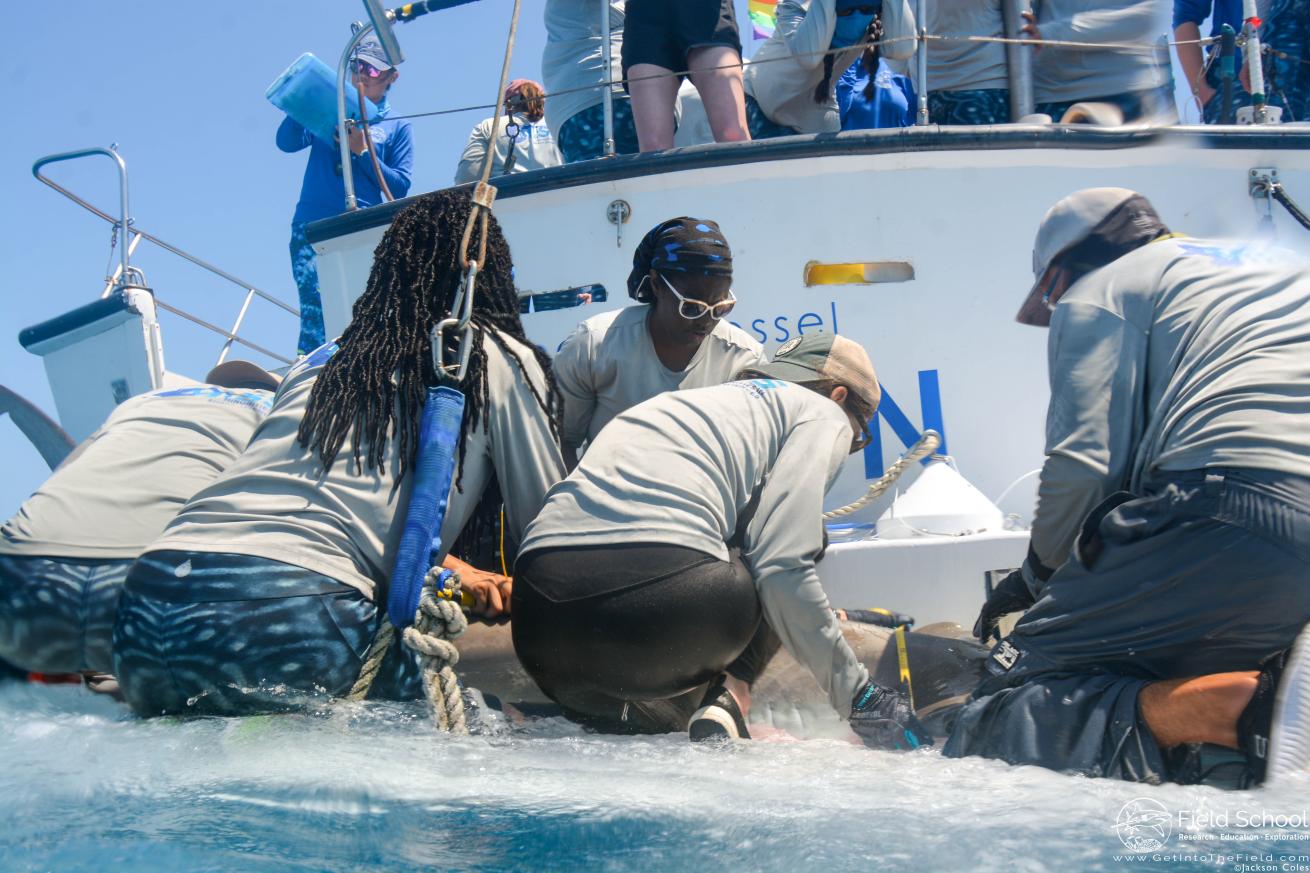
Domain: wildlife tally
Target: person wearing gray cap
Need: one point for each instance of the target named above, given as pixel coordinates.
(65, 553)
(381, 165)
(1167, 584)
(665, 571)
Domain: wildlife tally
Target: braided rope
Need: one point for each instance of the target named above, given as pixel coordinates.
(438, 621)
(926, 445)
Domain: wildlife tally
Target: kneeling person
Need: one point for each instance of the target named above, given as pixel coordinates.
(684, 546)
(65, 554)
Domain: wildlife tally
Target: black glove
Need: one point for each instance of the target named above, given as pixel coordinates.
(1011, 594)
(883, 719)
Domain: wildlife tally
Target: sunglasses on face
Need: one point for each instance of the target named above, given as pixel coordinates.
(693, 310)
(367, 70)
(863, 10)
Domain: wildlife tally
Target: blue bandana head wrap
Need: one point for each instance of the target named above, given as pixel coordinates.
(679, 245)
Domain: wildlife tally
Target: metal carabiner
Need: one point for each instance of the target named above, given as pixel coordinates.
(455, 371)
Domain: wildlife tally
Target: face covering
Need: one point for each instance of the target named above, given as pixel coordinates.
(850, 29)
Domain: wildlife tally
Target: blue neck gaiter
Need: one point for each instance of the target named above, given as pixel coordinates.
(850, 29)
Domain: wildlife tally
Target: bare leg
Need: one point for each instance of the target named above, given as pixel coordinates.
(1200, 710)
(716, 73)
(653, 102)
(741, 692)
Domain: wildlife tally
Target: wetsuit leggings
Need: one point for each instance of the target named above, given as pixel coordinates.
(1205, 572)
(626, 638)
(222, 634)
(57, 614)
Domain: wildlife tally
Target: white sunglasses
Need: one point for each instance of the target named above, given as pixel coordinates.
(693, 310)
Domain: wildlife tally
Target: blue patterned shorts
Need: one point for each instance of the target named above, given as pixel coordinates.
(1287, 79)
(582, 137)
(222, 634)
(760, 125)
(57, 616)
(975, 106)
(304, 269)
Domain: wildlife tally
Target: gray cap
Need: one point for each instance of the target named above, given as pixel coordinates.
(370, 51)
(242, 374)
(825, 356)
(1066, 224)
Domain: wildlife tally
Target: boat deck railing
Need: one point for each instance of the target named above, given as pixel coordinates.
(127, 236)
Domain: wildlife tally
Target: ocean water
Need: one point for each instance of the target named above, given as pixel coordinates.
(354, 787)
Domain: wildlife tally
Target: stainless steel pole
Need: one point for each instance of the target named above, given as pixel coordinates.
(1018, 61)
(607, 90)
(124, 219)
(347, 175)
(921, 59)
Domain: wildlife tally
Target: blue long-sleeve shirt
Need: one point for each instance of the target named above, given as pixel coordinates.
(1225, 12)
(323, 193)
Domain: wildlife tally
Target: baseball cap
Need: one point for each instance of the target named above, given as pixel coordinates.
(370, 51)
(242, 374)
(825, 356)
(1066, 224)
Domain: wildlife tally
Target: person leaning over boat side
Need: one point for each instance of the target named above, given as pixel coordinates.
(664, 37)
(1172, 534)
(792, 79)
(1202, 70)
(675, 338)
(573, 70)
(969, 81)
(264, 589)
(534, 145)
(682, 550)
(65, 553)
(1137, 81)
(323, 193)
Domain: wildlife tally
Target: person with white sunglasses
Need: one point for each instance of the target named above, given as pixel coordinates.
(675, 338)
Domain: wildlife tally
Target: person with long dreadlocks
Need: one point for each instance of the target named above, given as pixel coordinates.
(263, 592)
(791, 81)
(675, 338)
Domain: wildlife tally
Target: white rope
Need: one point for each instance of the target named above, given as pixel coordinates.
(917, 452)
(437, 621)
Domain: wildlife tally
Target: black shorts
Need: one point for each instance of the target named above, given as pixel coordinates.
(661, 32)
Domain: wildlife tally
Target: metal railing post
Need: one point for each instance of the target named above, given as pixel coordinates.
(236, 326)
(1018, 61)
(347, 171)
(921, 59)
(1254, 60)
(607, 95)
(124, 219)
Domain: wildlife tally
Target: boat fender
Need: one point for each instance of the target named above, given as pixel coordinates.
(434, 471)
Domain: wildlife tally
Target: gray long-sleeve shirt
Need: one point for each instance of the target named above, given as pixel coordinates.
(534, 148)
(966, 66)
(277, 502)
(1180, 355)
(609, 364)
(124, 484)
(1066, 74)
(682, 467)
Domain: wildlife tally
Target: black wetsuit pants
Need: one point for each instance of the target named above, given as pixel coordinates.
(1205, 572)
(626, 638)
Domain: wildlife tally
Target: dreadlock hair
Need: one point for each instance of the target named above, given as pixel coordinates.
(376, 383)
(822, 91)
(872, 54)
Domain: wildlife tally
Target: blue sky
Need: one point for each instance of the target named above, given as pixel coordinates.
(180, 88)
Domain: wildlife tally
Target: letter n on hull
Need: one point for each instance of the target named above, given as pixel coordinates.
(930, 409)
